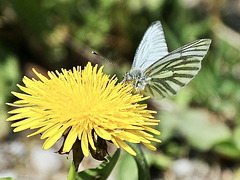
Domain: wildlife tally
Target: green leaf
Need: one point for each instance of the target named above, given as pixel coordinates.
(236, 137)
(9, 76)
(228, 149)
(157, 159)
(200, 132)
(7, 178)
(167, 126)
(102, 171)
(195, 126)
(127, 168)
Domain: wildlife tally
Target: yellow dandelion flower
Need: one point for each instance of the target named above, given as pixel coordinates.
(74, 104)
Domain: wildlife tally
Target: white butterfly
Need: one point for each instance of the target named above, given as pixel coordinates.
(160, 73)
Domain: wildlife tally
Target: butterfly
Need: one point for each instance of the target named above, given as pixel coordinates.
(161, 74)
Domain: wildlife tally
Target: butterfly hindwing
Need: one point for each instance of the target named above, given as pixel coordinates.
(172, 72)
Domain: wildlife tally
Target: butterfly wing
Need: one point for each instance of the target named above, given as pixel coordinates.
(172, 72)
(152, 47)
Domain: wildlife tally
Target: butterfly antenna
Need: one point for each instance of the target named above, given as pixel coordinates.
(114, 64)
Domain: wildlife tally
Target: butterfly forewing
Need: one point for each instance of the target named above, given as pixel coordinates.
(172, 72)
(151, 48)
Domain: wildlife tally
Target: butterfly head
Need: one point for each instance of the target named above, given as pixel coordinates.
(136, 78)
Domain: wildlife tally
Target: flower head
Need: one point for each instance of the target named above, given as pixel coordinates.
(82, 104)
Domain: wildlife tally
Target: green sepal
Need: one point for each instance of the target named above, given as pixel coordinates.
(101, 172)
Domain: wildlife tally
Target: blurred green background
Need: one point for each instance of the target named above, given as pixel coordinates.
(200, 126)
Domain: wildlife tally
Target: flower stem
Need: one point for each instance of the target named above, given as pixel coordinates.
(72, 172)
(143, 169)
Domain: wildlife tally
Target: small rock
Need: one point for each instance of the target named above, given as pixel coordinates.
(17, 148)
(186, 169)
(182, 167)
(45, 161)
